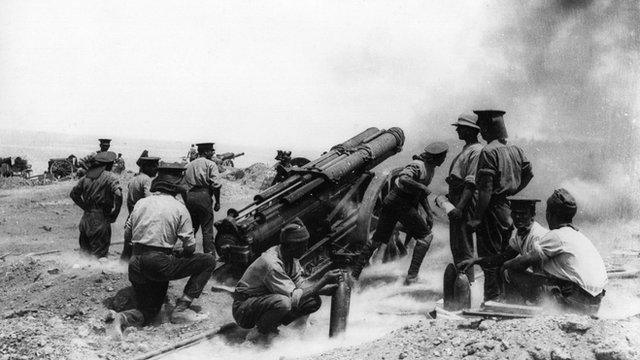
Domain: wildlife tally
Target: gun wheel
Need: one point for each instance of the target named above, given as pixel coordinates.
(61, 168)
(369, 213)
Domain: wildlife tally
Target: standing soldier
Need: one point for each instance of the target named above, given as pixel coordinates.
(154, 227)
(462, 190)
(401, 204)
(202, 177)
(118, 166)
(139, 187)
(100, 196)
(105, 144)
(503, 171)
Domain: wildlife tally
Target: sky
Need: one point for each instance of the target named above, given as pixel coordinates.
(312, 73)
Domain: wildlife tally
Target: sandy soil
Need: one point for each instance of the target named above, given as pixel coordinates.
(52, 305)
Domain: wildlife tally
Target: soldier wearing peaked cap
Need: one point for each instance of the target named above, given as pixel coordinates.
(99, 194)
(401, 205)
(462, 190)
(154, 227)
(572, 272)
(524, 242)
(503, 171)
(105, 144)
(140, 187)
(273, 292)
(201, 176)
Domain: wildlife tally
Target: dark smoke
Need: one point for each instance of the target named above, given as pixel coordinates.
(580, 61)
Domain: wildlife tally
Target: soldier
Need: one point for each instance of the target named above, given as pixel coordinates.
(118, 166)
(192, 154)
(401, 204)
(462, 190)
(154, 227)
(139, 187)
(524, 242)
(572, 271)
(202, 177)
(272, 291)
(100, 196)
(503, 171)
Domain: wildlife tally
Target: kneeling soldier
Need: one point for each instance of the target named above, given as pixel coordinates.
(154, 227)
(272, 291)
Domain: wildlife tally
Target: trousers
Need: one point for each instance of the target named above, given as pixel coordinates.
(150, 271)
(200, 206)
(267, 312)
(95, 233)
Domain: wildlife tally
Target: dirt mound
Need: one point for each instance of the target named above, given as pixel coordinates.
(531, 339)
(14, 182)
(258, 176)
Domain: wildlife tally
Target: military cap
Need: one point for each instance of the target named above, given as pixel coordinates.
(171, 167)
(523, 204)
(105, 157)
(492, 122)
(468, 120)
(294, 232)
(202, 147)
(105, 141)
(562, 203)
(436, 148)
(145, 158)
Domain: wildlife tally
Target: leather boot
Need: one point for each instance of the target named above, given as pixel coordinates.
(419, 252)
(362, 260)
(182, 314)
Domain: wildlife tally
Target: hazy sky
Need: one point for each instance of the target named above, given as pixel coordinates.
(294, 72)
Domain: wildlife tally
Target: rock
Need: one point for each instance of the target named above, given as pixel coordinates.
(608, 353)
(560, 354)
(575, 325)
(402, 355)
(486, 325)
(469, 324)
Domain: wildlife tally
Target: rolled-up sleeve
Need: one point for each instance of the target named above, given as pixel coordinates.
(472, 167)
(549, 246)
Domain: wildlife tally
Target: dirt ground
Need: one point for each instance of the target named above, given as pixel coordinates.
(52, 305)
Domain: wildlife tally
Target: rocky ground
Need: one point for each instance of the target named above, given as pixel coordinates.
(52, 304)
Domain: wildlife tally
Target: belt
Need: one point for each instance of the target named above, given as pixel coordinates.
(139, 249)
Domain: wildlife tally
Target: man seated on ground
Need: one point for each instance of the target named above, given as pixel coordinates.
(154, 227)
(272, 291)
(524, 240)
(573, 273)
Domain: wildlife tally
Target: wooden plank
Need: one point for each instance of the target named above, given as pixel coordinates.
(495, 314)
(498, 307)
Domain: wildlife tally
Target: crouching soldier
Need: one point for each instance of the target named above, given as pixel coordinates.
(572, 271)
(525, 240)
(401, 205)
(272, 291)
(154, 227)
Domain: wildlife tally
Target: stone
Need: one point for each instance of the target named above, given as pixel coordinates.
(486, 325)
(560, 354)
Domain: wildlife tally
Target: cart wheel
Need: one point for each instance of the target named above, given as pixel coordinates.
(369, 211)
(61, 168)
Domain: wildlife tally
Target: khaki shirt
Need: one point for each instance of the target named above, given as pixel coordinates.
(202, 172)
(139, 187)
(569, 255)
(505, 163)
(98, 193)
(268, 275)
(417, 171)
(530, 243)
(160, 220)
(465, 164)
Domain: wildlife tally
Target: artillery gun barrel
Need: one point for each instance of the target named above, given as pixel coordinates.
(372, 150)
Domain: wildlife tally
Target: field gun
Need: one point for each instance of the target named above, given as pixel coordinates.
(337, 196)
(226, 159)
